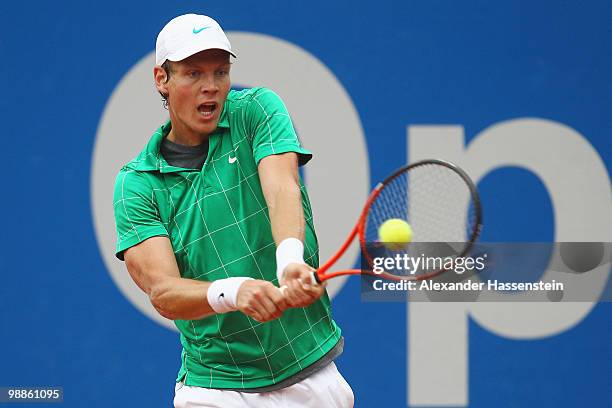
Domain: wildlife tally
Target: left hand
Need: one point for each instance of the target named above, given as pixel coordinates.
(300, 290)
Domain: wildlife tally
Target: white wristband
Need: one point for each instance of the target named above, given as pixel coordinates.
(222, 294)
(290, 250)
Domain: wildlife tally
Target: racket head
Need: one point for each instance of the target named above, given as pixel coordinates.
(440, 202)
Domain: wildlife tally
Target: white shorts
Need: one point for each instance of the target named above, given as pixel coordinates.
(325, 388)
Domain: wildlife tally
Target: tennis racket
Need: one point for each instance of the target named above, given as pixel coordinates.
(441, 203)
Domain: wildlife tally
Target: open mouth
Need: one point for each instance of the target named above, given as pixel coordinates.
(207, 109)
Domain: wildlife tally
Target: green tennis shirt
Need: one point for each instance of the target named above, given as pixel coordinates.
(218, 223)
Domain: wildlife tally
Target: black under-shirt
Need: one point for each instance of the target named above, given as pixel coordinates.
(187, 157)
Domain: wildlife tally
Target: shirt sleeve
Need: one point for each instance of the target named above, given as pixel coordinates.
(272, 129)
(136, 215)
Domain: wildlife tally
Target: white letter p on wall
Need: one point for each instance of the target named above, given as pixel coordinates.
(571, 169)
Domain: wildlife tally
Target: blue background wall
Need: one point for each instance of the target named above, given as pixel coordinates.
(62, 320)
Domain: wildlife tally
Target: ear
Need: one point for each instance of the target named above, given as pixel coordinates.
(160, 79)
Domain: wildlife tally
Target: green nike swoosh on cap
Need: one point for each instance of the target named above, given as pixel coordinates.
(201, 29)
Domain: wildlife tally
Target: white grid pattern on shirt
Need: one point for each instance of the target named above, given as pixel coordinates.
(236, 222)
(254, 260)
(268, 219)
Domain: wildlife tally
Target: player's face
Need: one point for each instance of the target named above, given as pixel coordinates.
(197, 90)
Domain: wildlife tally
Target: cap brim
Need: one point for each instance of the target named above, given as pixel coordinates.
(195, 48)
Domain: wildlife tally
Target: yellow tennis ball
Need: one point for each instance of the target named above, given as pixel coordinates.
(395, 233)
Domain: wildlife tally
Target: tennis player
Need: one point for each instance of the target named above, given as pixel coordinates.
(212, 218)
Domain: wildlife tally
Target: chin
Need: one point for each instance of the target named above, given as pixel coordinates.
(205, 128)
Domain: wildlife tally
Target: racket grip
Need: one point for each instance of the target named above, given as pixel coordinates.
(315, 278)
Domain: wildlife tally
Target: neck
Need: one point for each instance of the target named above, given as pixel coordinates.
(186, 138)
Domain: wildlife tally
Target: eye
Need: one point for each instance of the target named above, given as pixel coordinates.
(193, 74)
(222, 72)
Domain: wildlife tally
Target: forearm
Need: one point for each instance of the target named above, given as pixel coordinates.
(281, 187)
(287, 214)
(153, 267)
(181, 299)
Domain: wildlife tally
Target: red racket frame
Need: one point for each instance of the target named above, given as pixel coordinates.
(320, 274)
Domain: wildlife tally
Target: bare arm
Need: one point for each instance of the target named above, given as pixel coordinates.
(280, 184)
(153, 267)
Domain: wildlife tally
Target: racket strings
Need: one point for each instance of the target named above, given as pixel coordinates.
(434, 199)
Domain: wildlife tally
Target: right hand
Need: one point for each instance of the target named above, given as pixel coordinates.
(298, 287)
(261, 300)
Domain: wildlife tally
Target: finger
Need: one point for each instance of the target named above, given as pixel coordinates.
(278, 297)
(256, 308)
(287, 293)
(308, 278)
(311, 292)
(306, 284)
(290, 294)
(297, 294)
(254, 313)
(270, 306)
(262, 308)
(311, 289)
(318, 292)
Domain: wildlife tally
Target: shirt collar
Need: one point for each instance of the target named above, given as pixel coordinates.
(150, 159)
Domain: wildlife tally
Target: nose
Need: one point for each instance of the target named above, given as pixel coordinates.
(209, 85)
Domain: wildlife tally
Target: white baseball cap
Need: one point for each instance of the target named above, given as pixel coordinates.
(189, 34)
